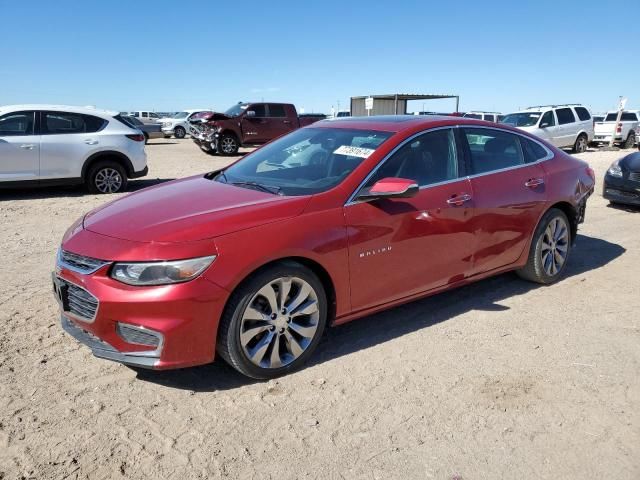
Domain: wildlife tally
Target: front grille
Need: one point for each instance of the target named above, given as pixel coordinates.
(621, 193)
(79, 302)
(138, 335)
(80, 263)
(634, 176)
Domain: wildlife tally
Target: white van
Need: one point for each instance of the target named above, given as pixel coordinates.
(564, 126)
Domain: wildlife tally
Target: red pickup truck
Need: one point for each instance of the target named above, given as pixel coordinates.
(246, 124)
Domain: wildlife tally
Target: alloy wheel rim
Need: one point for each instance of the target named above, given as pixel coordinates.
(108, 180)
(582, 145)
(279, 322)
(228, 145)
(555, 246)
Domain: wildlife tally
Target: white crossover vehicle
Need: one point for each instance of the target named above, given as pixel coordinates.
(178, 125)
(561, 125)
(59, 145)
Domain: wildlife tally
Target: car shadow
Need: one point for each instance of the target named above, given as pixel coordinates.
(590, 254)
(151, 143)
(624, 207)
(35, 193)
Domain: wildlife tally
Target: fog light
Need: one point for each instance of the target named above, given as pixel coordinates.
(139, 335)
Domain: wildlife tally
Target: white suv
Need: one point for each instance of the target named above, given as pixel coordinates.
(58, 145)
(561, 125)
(178, 125)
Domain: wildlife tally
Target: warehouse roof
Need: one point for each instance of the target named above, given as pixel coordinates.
(406, 96)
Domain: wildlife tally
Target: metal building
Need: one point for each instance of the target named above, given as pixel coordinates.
(393, 104)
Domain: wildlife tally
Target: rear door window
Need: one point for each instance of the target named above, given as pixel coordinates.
(583, 113)
(61, 123)
(276, 110)
(533, 151)
(17, 124)
(565, 116)
(493, 150)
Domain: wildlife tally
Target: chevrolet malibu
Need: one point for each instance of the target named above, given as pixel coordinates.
(327, 224)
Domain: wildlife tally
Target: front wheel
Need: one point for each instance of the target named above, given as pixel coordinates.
(630, 141)
(273, 322)
(228, 144)
(550, 249)
(179, 132)
(581, 144)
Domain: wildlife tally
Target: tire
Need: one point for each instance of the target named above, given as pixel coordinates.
(581, 144)
(106, 177)
(179, 132)
(146, 137)
(539, 268)
(630, 141)
(228, 144)
(260, 346)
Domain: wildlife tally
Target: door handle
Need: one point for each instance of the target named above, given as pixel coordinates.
(458, 200)
(28, 146)
(534, 182)
(286, 121)
(91, 142)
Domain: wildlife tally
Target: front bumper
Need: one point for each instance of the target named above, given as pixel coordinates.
(168, 130)
(184, 317)
(621, 190)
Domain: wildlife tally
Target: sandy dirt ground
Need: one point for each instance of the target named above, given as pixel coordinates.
(500, 379)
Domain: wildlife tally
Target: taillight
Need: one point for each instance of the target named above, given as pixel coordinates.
(619, 128)
(136, 137)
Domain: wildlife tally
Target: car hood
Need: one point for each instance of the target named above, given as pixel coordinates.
(631, 162)
(188, 210)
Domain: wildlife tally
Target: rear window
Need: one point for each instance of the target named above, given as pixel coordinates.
(583, 113)
(61, 123)
(626, 117)
(565, 115)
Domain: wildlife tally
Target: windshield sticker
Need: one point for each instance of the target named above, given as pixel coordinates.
(354, 151)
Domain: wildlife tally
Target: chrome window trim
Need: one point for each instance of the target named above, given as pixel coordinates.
(352, 200)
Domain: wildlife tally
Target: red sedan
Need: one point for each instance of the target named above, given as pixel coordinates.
(327, 224)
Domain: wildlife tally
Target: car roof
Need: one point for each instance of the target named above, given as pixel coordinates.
(400, 123)
(58, 108)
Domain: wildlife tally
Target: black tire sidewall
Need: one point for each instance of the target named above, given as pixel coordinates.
(90, 181)
(232, 350)
(539, 270)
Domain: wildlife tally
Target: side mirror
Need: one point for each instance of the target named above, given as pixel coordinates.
(544, 125)
(390, 188)
(250, 113)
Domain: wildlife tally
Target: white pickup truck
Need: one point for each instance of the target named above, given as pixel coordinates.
(626, 131)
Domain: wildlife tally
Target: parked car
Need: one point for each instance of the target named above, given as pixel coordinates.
(149, 130)
(247, 124)
(626, 130)
(487, 116)
(144, 116)
(343, 113)
(329, 223)
(59, 145)
(178, 125)
(564, 126)
(597, 118)
(622, 181)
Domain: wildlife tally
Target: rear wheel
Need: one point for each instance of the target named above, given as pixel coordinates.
(106, 177)
(273, 322)
(228, 144)
(550, 249)
(630, 141)
(179, 132)
(581, 144)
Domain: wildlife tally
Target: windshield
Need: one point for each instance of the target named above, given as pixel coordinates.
(307, 161)
(237, 109)
(523, 119)
(181, 115)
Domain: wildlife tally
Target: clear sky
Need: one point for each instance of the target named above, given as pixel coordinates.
(169, 55)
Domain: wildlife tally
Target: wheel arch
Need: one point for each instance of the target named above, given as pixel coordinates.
(319, 270)
(112, 155)
(572, 214)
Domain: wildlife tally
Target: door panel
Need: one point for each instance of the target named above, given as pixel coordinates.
(19, 147)
(406, 246)
(279, 123)
(256, 129)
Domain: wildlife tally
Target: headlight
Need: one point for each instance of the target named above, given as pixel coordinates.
(160, 273)
(615, 170)
(166, 124)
